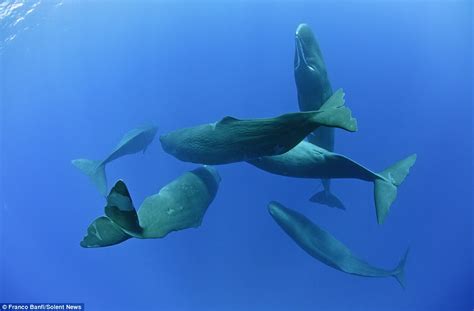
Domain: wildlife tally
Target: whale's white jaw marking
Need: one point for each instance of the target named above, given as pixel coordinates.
(298, 61)
(300, 57)
(96, 233)
(213, 126)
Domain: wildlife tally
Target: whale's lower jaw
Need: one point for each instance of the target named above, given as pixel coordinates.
(301, 62)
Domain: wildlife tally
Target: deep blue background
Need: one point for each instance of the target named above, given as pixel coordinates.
(84, 73)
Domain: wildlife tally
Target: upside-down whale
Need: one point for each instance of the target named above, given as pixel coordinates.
(313, 89)
(232, 140)
(324, 247)
(307, 160)
(132, 142)
(179, 205)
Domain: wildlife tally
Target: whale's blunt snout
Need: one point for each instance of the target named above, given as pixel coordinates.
(165, 144)
(154, 130)
(213, 171)
(150, 133)
(162, 139)
(303, 41)
(304, 31)
(275, 209)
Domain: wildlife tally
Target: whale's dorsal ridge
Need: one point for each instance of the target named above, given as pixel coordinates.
(228, 119)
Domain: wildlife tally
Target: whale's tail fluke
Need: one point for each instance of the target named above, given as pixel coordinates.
(385, 190)
(399, 272)
(96, 172)
(103, 232)
(334, 113)
(326, 197)
(120, 223)
(121, 211)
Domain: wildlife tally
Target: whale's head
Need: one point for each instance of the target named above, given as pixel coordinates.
(152, 130)
(309, 68)
(171, 143)
(213, 172)
(279, 212)
(145, 134)
(210, 176)
(306, 48)
(150, 133)
(289, 220)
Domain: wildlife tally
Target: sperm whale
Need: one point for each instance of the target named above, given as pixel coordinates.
(322, 246)
(307, 160)
(232, 140)
(132, 142)
(177, 206)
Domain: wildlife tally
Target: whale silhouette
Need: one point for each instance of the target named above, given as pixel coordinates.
(324, 247)
(313, 89)
(132, 142)
(177, 206)
(232, 140)
(307, 160)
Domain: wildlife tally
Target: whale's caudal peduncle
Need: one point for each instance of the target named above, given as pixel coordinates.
(134, 141)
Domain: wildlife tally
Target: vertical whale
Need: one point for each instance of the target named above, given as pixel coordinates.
(314, 88)
(312, 81)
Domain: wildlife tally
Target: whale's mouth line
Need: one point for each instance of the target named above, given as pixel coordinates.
(300, 54)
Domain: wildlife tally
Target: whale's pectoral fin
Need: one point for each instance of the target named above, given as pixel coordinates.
(121, 211)
(103, 232)
(328, 199)
(334, 113)
(385, 190)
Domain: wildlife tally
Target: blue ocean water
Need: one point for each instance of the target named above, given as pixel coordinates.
(76, 75)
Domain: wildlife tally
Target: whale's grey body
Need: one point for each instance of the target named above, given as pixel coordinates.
(314, 88)
(307, 160)
(312, 81)
(324, 247)
(179, 205)
(132, 142)
(232, 140)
